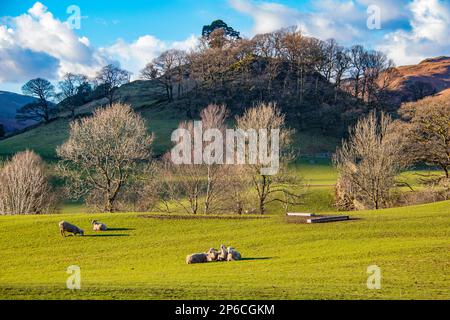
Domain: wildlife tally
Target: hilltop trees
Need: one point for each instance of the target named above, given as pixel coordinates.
(219, 30)
(110, 77)
(42, 109)
(74, 90)
(168, 69)
(103, 154)
(2, 131)
(286, 66)
(368, 163)
(24, 187)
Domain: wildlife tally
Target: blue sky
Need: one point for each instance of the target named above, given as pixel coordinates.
(35, 41)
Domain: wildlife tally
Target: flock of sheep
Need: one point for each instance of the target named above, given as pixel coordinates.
(65, 226)
(225, 254)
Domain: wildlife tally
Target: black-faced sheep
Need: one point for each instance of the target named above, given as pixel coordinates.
(233, 255)
(65, 226)
(98, 226)
(197, 258)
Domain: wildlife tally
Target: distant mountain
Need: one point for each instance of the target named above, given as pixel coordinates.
(414, 82)
(9, 103)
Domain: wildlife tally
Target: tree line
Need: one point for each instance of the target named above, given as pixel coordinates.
(73, 91)
(285, 66)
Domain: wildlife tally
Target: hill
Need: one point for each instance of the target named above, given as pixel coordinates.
(9, 103)
(162, 117)
(143, 257)
(320, 120)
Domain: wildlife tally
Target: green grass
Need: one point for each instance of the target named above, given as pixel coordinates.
(145, 259)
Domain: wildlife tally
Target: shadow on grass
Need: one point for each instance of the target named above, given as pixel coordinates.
(261, 258)
(107, 235)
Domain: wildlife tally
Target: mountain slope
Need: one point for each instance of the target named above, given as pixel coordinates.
(9, 103)
(414, 82)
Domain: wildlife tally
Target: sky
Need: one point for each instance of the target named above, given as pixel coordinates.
(52, 37)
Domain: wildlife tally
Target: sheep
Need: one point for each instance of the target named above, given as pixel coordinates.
(223, 253)
(233, 255)
(213, 254)
(67, 227)
(98, 226)
(197, 258)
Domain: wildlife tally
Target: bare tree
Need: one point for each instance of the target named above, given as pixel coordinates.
(112, 77)
(41, 109)
(235, 184)
(428, 131)
(164, 68)
(369, 161)
(269, 187)
(213, 117)
(188, 178)
(341, 66)
(70, 86)
(104, 153)
(24, 187)
(357, 57)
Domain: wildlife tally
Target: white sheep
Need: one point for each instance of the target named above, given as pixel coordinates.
(223, 255)
(213, 254)
(197, 258)
(65, 226)
(233, 255)
(98, 226)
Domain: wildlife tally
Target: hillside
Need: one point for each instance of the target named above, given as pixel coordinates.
(9, 103)
(319, 124)
(162, 117)
(414, 82)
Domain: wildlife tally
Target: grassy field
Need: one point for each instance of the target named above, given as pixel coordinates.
(143, 258)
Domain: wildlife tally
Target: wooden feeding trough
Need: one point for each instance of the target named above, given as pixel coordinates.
(300, 217)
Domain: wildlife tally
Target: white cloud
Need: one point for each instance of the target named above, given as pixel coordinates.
(267, 16)
(390, 10)
(135, 55)
(345, 21)
(331, 19)
(428, 37)
(36, 44)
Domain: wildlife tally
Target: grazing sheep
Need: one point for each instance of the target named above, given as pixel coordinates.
(67, 227)
(197, 258)
(233, 255)
(98, 226)
(213, 254)
(223, 255)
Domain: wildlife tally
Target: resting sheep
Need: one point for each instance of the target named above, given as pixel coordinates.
(213, 254)
(233, 255)
(223, 255)
(98, 226)
(65, 226)
(197, 258)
